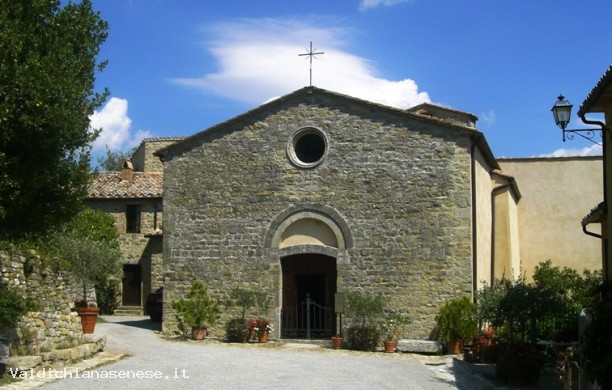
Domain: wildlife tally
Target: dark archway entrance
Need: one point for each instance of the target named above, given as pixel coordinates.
(309, 285)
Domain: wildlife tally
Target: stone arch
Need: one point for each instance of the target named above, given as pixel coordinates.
(303, 220)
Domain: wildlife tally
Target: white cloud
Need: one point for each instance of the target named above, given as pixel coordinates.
(488, 118)
(593, 150)
(258, 59)
(116, 125)
(367, 4)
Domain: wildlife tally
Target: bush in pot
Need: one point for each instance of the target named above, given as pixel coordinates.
(457, 321)
(88, 249)
(197, 311)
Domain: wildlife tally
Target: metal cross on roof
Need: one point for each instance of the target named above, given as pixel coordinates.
(311, 53)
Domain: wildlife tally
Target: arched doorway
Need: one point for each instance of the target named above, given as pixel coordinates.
(309, 285)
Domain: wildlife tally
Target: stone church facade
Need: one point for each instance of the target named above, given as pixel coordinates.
(317, 193)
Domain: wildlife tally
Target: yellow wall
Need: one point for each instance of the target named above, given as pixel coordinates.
(557, 193)
(483, 219)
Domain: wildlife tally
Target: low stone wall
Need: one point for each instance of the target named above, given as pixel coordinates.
(50, 289)
(53, 326)
(43, 332)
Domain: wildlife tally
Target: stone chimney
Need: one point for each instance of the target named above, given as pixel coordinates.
(127, 170)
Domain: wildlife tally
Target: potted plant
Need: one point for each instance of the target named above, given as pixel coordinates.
(12, 308)
(88, 249)
(364, 309)
(237, 329)
(197, 311)
(263, 328)
(392, 329)
(457, 321)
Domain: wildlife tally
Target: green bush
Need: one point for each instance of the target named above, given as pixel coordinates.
(198, 310)
(597, 341)
(12, 307)
(363, 337)
(236, 329)
(107, 295)
(457, 320)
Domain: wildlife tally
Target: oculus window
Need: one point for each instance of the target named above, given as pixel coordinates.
(307, 147)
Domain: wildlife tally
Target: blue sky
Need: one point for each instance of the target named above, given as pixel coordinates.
(177, 67)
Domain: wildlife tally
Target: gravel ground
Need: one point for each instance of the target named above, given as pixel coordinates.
(171, 364)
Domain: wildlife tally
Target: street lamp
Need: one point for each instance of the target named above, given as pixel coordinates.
(562, 111)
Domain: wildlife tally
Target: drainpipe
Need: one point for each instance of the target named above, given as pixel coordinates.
(588, 233)
(605, 191)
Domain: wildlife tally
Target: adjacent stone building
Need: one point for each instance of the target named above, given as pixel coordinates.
(317, 193)
(134, 197)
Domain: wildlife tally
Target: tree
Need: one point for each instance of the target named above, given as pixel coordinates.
(47, 74)
(113, 161)
(88, 247)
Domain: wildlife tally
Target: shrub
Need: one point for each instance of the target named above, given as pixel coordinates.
(457, 320)
(107, 295)
(597, 343)
(198, 310)
(363, 337)
(12, 307)
(236, 329)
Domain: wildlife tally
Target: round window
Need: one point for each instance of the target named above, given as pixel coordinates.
(307, 147)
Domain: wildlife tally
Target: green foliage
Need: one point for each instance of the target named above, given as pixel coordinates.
(12, 307)
(107, 295)
(597, 342)
(94, 225)
(457, 319)
(113, 161)
(198, 309)
(363, 307)
(546, 309)
(394, 325)
(236, 329)
(243, 298)
(88, 247)
(362, 337)
(47, 76)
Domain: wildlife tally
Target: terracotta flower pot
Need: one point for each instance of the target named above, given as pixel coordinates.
(198, 333)
(337, 342)
(454, 347)
(263, 337)
(390, 345)
(88, 315)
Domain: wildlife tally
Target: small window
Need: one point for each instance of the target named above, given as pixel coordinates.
(307, 147)
(132, 218)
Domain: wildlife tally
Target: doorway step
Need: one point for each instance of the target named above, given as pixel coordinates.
(129, 311)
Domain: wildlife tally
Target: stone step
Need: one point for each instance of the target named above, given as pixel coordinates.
(129, 311)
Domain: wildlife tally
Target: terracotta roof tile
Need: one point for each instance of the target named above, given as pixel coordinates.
(109, 185)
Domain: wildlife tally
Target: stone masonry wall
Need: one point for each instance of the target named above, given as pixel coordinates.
(401, 184)
(136, 248)
(54, 325)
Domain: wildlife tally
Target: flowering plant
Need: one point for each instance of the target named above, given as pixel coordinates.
(260, 326)
(483, 340)
(394, 325)
(563, 362)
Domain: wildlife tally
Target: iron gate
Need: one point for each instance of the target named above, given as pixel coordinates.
(307, 320)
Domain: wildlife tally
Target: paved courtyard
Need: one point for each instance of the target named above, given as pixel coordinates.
(158, 363)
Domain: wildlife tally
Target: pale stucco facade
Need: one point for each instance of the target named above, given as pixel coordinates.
(556, 195)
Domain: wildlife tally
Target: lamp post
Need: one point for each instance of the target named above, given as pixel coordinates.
(562, 112)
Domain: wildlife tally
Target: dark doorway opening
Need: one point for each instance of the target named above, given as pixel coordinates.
(132, 280)
(309, 285)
